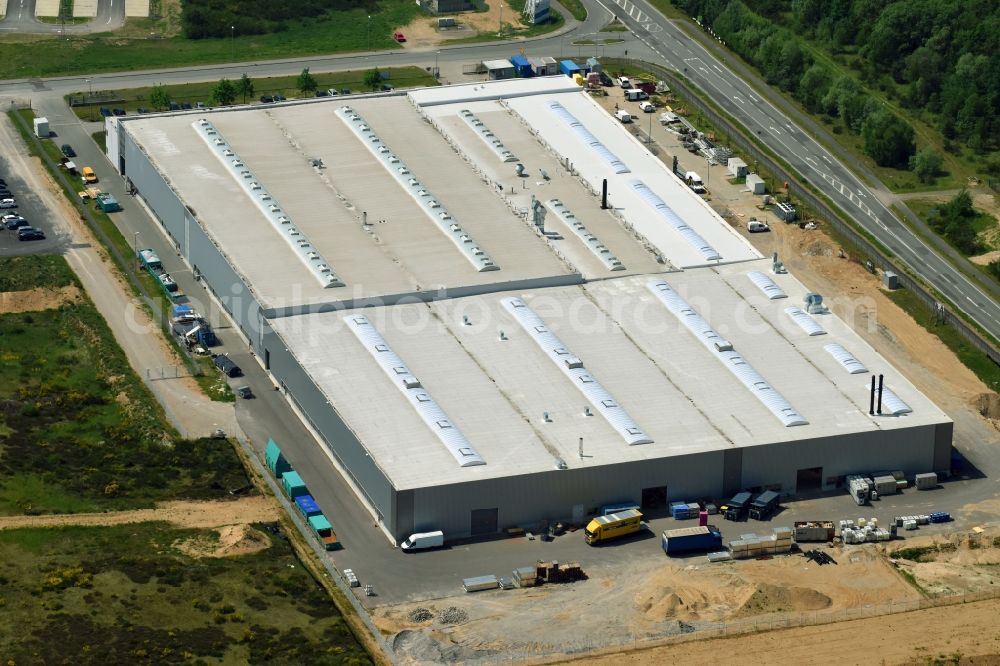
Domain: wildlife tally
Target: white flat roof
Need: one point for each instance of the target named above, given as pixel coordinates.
(497, 388)
(400, 251)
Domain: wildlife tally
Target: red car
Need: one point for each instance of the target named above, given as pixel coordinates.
(398, 36)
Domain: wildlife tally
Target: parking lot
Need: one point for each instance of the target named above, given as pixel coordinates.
(24, 187)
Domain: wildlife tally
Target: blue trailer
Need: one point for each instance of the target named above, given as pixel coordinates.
(569, 68)
(702, 539)
(522, 66)
(307, 505)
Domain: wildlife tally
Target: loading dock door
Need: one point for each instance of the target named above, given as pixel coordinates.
(809, 480)
(484, 521)
(654, 498)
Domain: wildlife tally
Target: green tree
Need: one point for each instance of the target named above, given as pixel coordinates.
(888, 139)
(373, 79)
(306, 83)
(245, 87)
(814, 86)
(159, 97)
(224, 93)
(926, 165)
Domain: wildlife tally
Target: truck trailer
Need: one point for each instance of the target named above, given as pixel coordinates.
(700, 539)
(613, 526)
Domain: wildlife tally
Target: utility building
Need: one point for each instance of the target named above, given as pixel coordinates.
(433, 280)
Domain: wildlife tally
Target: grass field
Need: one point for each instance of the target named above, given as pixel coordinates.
(129, 595)
(20, 273)
(78, 429)
(398, 77)
(337, 32)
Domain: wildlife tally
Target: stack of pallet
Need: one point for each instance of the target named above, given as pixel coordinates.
(778, 542)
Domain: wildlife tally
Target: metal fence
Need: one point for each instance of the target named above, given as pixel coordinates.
(866, 250)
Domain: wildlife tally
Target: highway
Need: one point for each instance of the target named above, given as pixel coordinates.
(673, 48)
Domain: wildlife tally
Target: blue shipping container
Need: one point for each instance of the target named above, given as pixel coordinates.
(568, 67)
(307, 505)
(522, 67)
(615, 508)
(701, 539)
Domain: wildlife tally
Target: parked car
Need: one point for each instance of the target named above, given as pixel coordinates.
(89, 175)
(280, 98)
(8, 203)
(244, 392)
(174, 106)
(322, 93)
(266, 99)
(332, 92)
(647, 107)
(755, 226)
(399, 37)
(30, 234)
(14, 222)
(105, 111)
(68, 151)
(186, 106)
(386, 87)
(118, 112)
(200, 105)
(141, 110)
(5, 193)
(345, 91)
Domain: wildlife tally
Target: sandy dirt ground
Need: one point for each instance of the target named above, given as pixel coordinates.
(186, 406)
(254, 509)
(966, 634)
(230, 541)
(33, 300)
(423, 31)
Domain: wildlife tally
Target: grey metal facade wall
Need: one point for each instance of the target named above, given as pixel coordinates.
(910, 450)
(528, 499)
(943, 436)
(192, 242)
(324, 419)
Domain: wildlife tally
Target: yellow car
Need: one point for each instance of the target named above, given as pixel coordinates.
(89, 175)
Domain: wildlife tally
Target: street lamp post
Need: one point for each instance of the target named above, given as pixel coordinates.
(232, 40)
(437, 72)
(708, 170)
(135, 246)
(368, 32)
(649, 135)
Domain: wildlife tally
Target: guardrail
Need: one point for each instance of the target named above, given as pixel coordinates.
(836, 219)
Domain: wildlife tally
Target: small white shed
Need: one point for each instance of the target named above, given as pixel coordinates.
(755, 184)
(737, 167)
(42, 128)
(499, 69)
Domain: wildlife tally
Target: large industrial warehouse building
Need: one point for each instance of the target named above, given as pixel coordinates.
(432, 280)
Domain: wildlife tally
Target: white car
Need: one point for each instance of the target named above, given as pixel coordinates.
(647, 107)
(8, 203)
(756, 226)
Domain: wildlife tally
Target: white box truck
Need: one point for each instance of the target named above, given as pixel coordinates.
(423, 540)
(623, 116)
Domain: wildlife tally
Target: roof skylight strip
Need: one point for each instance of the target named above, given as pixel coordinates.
(612, 262)
(480, 128)
(891, 403)
(846, 359)
(805, 321)
(766, 285)
(427, 202)
(572, 367)
(693, 238)
(584, 135)
(404, 380)
(723, 350)
(278, 218)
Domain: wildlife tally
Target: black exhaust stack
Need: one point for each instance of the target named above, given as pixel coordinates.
(604, 195)
(879, 394)
(871, 402)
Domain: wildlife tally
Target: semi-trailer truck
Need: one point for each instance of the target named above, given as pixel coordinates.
(613, 526)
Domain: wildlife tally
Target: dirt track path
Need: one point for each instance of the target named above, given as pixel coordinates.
(256, 509)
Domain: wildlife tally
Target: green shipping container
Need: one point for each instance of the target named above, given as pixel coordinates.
(293, 484)
(275, 459)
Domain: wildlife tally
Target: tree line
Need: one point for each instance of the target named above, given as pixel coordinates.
(939, 57)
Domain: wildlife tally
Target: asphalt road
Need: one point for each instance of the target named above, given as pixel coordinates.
(21, 18)
(674, 48)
